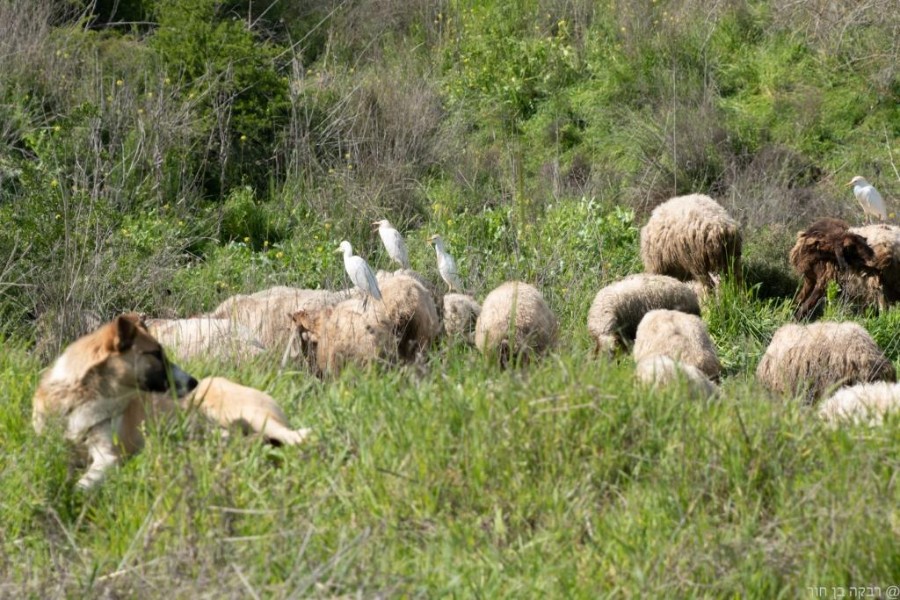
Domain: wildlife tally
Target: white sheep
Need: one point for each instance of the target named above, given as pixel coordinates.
(204, 336)
(680, 336)
(618, 308)
(408, 309)
(515, 322)
(460, 316)
(662, 371)
(865, 403)
(691, 237)
(813, 358)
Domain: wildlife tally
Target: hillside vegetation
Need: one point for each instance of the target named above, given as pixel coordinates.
(162, 155)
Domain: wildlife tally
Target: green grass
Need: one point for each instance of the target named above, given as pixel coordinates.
(564, 479)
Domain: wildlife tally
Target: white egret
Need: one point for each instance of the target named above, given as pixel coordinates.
(360, 273)
(446, 265)
(393, 242)
(869, 198)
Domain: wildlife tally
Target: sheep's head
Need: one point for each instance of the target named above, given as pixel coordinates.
(309, 322)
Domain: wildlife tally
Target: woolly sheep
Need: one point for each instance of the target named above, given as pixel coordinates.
(204, 336)
(618, 308)
(460, 316)
(680, 336)
(884, 240)
(266, 314)
(661, 371)
(866, 403)
(344, 333)
(519, 309)
(819, 356)
(409, 311)
(691, 237)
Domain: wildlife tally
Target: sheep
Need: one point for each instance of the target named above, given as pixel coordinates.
(884, 240)
(619, 307)
(813, 358)
(204, 336)
(460, 315)
(661, 371)
(266, 314)
(691, 237)
(515, 322)
(408, 308)
(680, 336)
(344, 333)
(828, 250)
(866, 403)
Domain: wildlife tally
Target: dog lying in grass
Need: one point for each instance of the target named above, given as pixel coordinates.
(107, 383)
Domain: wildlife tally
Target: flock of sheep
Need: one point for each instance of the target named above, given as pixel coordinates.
(688, 243)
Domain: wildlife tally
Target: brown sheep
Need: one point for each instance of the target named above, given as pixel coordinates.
(518, 309)
(345, 333)
(691, 238)
(825, 252)
(813, 358)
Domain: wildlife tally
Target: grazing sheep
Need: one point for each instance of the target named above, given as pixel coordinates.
(345, 333)
(813, 358)
(518, 309)
(828, 250)
(266, 314)
(884, 240)
(618, 308)
(691, 237)
(409, 311)
(680, 336)
(204, 336)
(460, 316)
(866, 404)
(661, 371)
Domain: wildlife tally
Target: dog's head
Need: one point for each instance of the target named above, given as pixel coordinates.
(131, 358)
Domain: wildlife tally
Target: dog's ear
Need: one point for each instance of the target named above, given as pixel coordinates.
(126, 331)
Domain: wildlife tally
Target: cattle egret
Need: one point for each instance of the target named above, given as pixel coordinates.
(393, 243)
(446, 265)
(869, 198)
(360, 273)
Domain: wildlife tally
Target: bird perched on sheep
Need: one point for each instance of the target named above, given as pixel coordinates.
(827, 251)
(393, 243)
(660, 371)
(679, 336)
(205, 336)
(869, 199)
(360, 273)
(345, 333)
(691, 238)
(618, 308)
(446, 264)
(460, 316)
(409, 311)
(515, 323)
(812, 358)
(863, 404)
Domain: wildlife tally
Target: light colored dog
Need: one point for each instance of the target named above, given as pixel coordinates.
(107, 383)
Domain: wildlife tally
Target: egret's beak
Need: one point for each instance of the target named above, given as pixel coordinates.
(338, 251)
(849, 184)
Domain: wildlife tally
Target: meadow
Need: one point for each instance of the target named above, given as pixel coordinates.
(162, 155)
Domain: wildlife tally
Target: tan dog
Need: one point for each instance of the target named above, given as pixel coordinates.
(107, 383)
